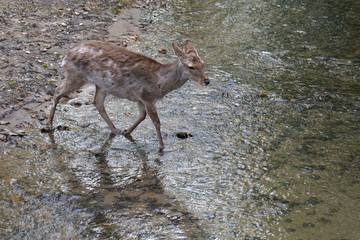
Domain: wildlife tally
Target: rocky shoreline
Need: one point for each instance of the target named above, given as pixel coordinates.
(35, 35)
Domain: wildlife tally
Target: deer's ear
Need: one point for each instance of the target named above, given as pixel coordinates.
(178, 52)
(190, 47)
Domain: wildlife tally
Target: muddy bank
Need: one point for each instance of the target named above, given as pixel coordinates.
(34, 36)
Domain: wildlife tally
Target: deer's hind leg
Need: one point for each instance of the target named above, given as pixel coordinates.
(142, 116)
(71, 83)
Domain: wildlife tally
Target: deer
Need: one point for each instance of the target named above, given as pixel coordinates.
(128, 75)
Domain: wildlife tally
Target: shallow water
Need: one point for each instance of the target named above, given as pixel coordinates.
(280, 165)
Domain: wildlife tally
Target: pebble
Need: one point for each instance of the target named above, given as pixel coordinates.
(4, 123)
(63, 128)
(76, 104)
(85, 125)
(308, 225)
(2, 137)
(47, 130)
(47, 46)
(163, 50)
(18, 133)
(21, 133)
(41, 118)
(183, 135)
(313, 201)
(242, 166)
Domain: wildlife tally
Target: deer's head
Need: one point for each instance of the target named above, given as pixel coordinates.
(193, 64)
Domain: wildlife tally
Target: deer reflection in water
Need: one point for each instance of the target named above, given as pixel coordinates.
(143, 198)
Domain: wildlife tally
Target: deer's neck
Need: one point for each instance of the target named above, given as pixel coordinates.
(172, 76)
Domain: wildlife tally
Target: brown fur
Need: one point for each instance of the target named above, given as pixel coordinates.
(126, 74)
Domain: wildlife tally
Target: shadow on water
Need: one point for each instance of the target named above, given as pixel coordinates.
(137, 203)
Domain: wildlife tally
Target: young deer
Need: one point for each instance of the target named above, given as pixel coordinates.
(126, 74)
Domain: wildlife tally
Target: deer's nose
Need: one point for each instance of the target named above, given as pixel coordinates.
(206, 81)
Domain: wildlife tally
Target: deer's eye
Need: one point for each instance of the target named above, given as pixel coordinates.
(192, 68)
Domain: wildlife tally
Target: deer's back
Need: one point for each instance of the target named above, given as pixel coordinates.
(116, 70)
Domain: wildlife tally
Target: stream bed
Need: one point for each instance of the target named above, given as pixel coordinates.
(274, 152)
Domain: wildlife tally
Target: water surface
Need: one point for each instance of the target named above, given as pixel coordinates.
(275, 146)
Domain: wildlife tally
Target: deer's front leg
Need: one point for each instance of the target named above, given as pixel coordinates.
(100, 96)
(151, 111)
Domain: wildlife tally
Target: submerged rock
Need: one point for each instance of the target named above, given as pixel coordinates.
(183, 135)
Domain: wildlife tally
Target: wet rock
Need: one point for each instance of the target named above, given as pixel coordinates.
(324, 220)
(16, 107)
(85, 125)
(183, 135)
(313, 201)
(163, 50)
(21, 133)
(76, 104)
(3, 137)
(10, 181)
(262, 95)
(9, 133)
(41, 118)
(47, 46)
(47, 130)
(315, 177)
(308, 225)
(313, 167)
(39, 99)
(4, 123)
(327, 98)
(242, 166)
(63, 128)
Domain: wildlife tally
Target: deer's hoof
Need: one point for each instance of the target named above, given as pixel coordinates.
(47, 130)
(125, 132)
(116, 132)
